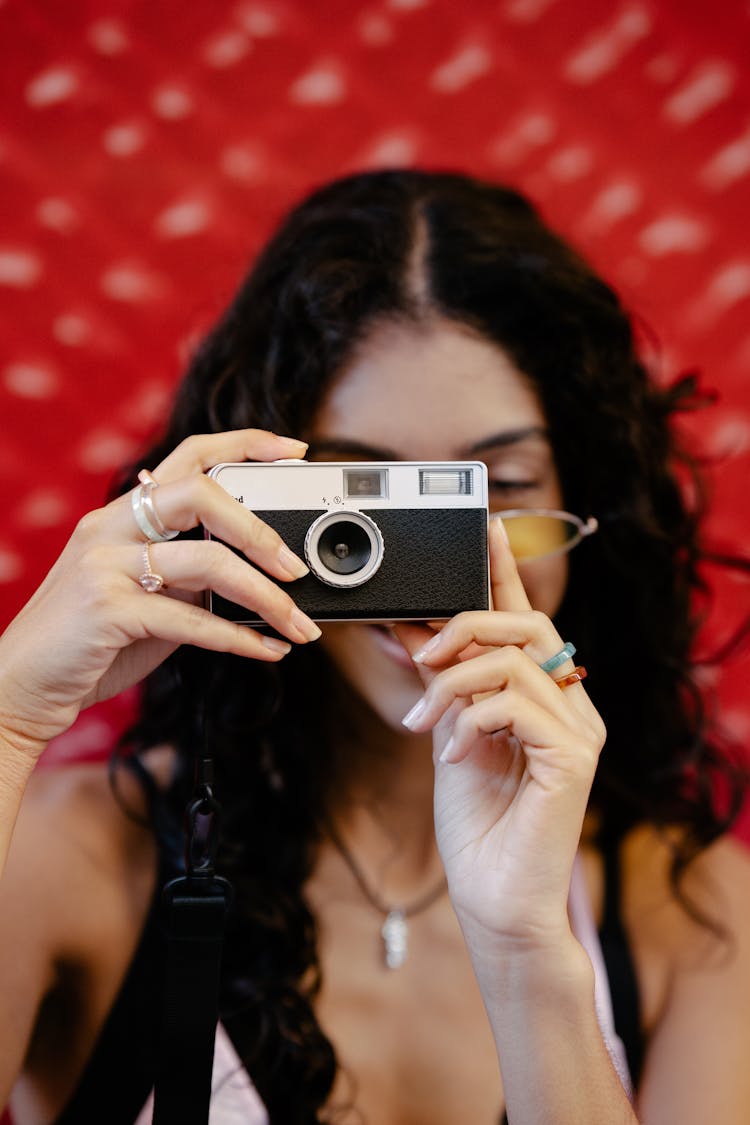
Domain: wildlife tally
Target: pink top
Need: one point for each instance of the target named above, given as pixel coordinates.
(234, 1100)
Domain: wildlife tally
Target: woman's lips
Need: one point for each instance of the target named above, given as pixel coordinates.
(389, 644)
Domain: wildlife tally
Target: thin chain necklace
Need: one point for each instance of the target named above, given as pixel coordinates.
(395, 928)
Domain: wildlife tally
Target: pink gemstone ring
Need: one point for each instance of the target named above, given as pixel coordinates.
(150, 581)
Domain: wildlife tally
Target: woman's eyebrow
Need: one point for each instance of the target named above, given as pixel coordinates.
(507, 437)
(353, 448)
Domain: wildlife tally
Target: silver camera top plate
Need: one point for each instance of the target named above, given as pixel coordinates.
(279, 485)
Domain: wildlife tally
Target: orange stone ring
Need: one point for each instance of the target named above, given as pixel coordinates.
(573, 678)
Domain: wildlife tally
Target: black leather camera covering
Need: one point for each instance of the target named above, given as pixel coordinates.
(434, 566)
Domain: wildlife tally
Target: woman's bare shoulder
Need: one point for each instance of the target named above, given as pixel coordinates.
(78, 807)
(691, 947)
(83, 857)
(698, 929)
(711, 894)
(75, 891)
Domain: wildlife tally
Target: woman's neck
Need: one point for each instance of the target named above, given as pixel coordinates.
(381, 804)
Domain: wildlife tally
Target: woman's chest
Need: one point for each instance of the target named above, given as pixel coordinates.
(413, 1043)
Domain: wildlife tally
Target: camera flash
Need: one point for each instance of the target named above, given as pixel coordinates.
(445, 482)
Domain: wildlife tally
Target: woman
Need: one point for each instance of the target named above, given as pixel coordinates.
(397, 316)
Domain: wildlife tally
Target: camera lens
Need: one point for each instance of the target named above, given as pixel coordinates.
(344, 548)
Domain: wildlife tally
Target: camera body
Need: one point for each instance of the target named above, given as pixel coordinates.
(385, 540)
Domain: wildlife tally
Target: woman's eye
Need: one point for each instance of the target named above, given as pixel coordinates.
(504, 486)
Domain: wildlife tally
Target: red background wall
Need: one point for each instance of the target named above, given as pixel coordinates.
(146, 150)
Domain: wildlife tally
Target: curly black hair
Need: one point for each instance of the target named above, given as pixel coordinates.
(345, 259)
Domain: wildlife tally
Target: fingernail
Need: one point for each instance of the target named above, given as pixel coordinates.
(426, 648)
(291, 563)
(498, 521)
(293, 440)
(305, 626)
(448, 750)
(275, 645)
(411, 717)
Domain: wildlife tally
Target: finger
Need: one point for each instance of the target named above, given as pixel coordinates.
(197, 565)
(181, 623)
(468, 653)
(546, 741)
(494, 671)
(145, 655)
(202, 500)
(200, 452)
(193, 500)
(505, 582)
(530, 630)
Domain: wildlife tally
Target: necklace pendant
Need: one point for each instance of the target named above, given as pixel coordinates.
(395, 931)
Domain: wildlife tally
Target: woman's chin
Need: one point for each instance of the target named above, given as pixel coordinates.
(371, 659)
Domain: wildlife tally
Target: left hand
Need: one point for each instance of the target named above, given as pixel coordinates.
(511, 797)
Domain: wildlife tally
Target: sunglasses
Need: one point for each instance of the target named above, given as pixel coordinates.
(538, 533)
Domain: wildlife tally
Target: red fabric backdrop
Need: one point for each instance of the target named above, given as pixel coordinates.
(146, 150)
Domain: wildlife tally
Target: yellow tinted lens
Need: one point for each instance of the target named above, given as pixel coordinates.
(531, 536)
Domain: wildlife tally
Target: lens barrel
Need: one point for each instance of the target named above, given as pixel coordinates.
(344, 548)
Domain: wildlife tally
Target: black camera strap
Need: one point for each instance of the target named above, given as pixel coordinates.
(195, 908)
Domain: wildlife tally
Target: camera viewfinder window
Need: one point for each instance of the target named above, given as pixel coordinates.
(445, 482)
(364, 482)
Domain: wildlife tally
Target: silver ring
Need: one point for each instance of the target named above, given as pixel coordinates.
(152, 583)
(146, 516)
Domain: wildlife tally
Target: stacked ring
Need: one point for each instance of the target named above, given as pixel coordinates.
(150, 581)
(572, 678)
(559, 658)
(146, 516)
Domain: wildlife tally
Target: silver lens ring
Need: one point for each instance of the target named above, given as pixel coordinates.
(369, 540)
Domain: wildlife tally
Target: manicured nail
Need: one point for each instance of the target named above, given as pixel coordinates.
(275, 645)
(499, 523)
(291, 563)
(293, 441)
(305, 626)
(411, 717)
(426, 648)
(446, 755)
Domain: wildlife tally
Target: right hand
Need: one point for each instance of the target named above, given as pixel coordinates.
(90, 630)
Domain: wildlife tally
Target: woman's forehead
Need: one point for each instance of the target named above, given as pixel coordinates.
(408, 383)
